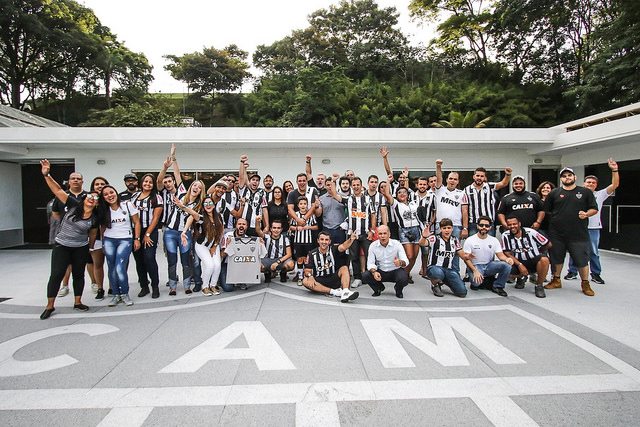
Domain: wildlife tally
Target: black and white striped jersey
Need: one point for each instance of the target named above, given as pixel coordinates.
(442, 251)
(358, 213)
(276, 248)
(324, 265)
(254, 202)
(525, 247)
(268, 195)
(231, 201)
(170, 212)
(481, 202)
(146, 206)
(428, 205)
(303, 236)
(201, 235)
(376, 201)
(406, 214)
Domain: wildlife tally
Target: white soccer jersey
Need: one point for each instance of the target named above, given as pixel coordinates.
(449, 204)
(243, 260)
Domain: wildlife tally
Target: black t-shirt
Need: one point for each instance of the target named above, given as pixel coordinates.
(279, 212)
(563, 206)
(524, 206)
(126, 195)
(62, 208)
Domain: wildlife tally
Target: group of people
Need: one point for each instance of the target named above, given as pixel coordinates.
(334, 233)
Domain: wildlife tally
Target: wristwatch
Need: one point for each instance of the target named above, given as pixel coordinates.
(147, 234)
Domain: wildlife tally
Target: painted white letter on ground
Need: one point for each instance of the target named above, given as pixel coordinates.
(262, 348)
(446, 350)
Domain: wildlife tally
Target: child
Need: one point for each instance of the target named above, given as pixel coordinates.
(302, 236)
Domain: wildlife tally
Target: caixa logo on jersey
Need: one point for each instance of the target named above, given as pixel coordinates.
(244, 258)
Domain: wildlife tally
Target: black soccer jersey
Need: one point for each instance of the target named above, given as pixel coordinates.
(231, 201)
(376, 202)
(525, 247)
(303, 236)
(254, 202)
(443, 252)
(358, 213)
(327, 264)
(276, 248)
(170, 211)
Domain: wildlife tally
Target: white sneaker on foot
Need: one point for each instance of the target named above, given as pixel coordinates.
(336, 292)
(356, 283)
(114, 300)
(126, 300)
(64, 291)
(348, 295)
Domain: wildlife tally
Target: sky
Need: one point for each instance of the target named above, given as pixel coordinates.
(161, 27)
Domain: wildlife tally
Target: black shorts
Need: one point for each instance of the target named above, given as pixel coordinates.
(302, 249)
(332, 281)
(531, 265)
(579, 251)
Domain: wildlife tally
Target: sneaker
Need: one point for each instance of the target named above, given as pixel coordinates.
(110, 292)
(267, 277)
(80, 307)
(188, 291)
(100, 294)
(46, 313)
(571, 276)
(172, 293)
(348, 295)
(437, 290)
(356, 283)
(335, 292)
(539, 291)
(597, 279)
(64, 291)
(207, 292)
(499, 291)
(586, 289)
(533, 278)
(197, 288)
(94, 287)
(126, 300)
(298, 280)
(114, 300)
(555, 283)
(283, 276)
(215, 290)
(520, 281)
(155, 292)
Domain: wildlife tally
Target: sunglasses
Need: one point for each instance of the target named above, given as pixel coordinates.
(93, 197)
(208, 204)
(484, 225)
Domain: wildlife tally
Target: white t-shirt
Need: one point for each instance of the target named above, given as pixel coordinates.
(595, 221)
(121, 227)
(449, 204)
(483, 250)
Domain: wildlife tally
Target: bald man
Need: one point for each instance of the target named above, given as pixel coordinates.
(385, 263)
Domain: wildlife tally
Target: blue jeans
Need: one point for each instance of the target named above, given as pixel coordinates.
(117, 253)
(594, 259)
(223, 279)
(450, 277)
(172, 242)
(501, 268)
(338, 235)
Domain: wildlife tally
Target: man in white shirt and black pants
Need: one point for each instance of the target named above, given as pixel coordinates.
(385, 263)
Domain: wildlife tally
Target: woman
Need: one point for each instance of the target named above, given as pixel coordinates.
(149, 204)
(287, 187)
(543, 191)
(95, 266)
(76, 234)
(207, 233)
(277, 209)
(120, 229)
(189, 204)
(405, 212)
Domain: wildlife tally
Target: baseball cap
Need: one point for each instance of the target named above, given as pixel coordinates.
(254, 175)
(130, 176)
(222, 183)
(567, 170)
(518, 177)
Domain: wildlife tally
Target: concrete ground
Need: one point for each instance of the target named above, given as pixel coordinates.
(279, 355)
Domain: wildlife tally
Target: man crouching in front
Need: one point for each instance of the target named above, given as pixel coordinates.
(327, 271)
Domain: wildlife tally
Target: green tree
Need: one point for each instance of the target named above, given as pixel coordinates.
(462, 120)
(134, 115)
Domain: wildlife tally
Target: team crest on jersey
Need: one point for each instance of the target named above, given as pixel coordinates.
(252, 248)
(579, 195)
(529, 198)
(457, 196)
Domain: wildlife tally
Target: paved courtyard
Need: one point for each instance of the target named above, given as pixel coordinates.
(279, 355)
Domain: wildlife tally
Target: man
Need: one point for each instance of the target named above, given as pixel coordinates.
(452, 203)
(253, 201)
(482, 249)
(591, 182)
(333, 214)
(525, 205)
(482, 197)
(279, 255)
(58, 209)
(231, 199)
(326, 271)
(247, 269)
(570, 207)
(361, 221)
(267, 182)
(445, 248)
(303, 190)
(376, 199)
(527, 248)
(386, 263)
(320, 181)
(131, 182)
(227, 211)
(425, 197)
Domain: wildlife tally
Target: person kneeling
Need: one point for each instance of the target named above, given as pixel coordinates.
(386, 262)
(327, 271)
(444, 249)
(279, 257)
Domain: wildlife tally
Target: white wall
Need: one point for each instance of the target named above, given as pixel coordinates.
(10, 204)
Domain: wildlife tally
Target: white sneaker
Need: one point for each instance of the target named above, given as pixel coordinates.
(348, 295)
(336, 292)
(64, 291)
(94, 288)
(126, 300)
(356, 283)
(114, 300)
